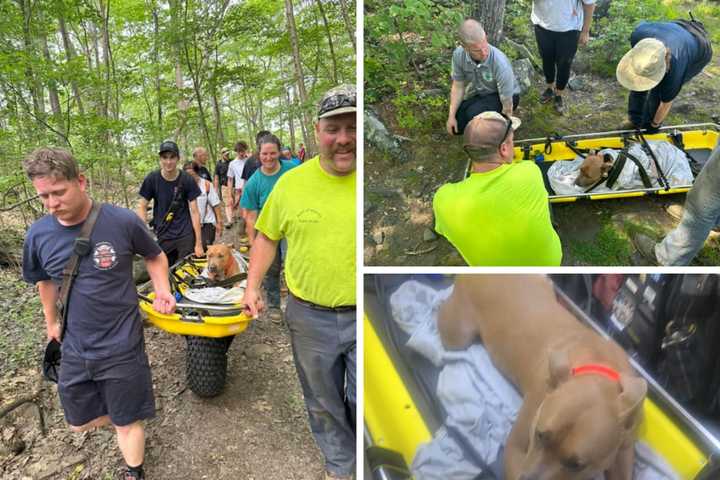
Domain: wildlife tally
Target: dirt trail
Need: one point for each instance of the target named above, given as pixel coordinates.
(256, 429)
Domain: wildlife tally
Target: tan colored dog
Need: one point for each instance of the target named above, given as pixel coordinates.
(593, 168)
(221, 263)
(582, 400)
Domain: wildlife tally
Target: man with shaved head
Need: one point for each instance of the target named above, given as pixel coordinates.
(482, 79)
(200, 155)
(499, 215)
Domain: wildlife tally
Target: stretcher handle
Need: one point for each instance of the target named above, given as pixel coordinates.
(199, 306)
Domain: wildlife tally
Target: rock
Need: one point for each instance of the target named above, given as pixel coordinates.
(602, 8)
(429, 235)
(378, 136)
(378, 237)
(582, 63)
(524, 74)
(577, 83)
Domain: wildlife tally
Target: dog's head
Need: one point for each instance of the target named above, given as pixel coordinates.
(220, 258)
(593, 168)
(581, 423)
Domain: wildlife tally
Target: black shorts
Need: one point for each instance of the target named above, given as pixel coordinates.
(177, 248)
(118, 387)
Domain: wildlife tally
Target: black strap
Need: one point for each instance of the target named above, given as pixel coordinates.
(617, 167)
(174, 206)
(81, 248)
(661, 175)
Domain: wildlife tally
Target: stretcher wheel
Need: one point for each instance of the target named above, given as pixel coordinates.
(206, 364)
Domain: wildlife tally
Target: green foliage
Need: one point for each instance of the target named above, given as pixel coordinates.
(408, 42)
(612, 33)
(22, 323)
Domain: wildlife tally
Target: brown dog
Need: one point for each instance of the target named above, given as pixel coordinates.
(221, 263)
(582, 400)
(593, 168)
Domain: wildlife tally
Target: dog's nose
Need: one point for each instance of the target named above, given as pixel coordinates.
(212, 268)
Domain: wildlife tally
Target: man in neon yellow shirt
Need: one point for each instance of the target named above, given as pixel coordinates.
(500, 214)
(313, 207)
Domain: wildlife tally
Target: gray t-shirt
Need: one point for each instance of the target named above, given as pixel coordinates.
(559, 15)
(493, 75)
(103, 317)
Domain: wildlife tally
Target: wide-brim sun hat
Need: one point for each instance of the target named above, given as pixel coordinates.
(643, 67)
(492, 115)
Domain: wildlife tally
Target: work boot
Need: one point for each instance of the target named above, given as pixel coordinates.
(645, 247)
(559, 105)
(547, 95)
(132, 474)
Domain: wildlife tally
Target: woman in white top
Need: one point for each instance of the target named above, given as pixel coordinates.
(560, 25)
(208, 204)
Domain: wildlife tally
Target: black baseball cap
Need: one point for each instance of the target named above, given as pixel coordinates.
(169, 146)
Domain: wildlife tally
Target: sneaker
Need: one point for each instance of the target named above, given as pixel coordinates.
(228, 226)
(128, 474)
(275, 315)
(675, 210)
(547, 95)
(332, 476)
(628, 125)
(558, 104)
(646, 247)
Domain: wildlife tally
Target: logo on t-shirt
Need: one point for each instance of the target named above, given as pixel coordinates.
(309, 215)
(104, 256)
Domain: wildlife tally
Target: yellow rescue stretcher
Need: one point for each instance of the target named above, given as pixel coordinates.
(208, 328)
(399, 416)
(696, 140)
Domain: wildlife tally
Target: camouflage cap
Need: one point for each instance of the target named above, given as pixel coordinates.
(338, 100)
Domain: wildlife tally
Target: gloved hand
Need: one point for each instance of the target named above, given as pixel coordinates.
(650, 129)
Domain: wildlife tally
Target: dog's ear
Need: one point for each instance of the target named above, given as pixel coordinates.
(559, 365)
(631, 398)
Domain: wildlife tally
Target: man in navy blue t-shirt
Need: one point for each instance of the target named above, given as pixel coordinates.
(172, 192)
(664, 57)
(104, 372)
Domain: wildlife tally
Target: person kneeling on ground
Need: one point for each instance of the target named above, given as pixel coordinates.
(488, 72)
(500, 214)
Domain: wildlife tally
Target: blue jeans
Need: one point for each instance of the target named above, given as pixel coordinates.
(702, 213)
(271, 282)
(323, 345)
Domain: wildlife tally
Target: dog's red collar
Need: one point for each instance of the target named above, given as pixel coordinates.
(597, 370)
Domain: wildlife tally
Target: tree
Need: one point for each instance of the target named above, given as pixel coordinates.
(490, 14)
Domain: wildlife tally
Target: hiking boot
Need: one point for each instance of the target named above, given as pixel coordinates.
(547, 95)
(628, 125)
(645, 247)
(559, 105)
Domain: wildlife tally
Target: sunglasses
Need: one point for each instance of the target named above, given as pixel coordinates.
(336, 101)
(471, 148)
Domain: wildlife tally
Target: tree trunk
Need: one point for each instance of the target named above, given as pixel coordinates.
(36, 90)
(330, 42)
(156, 59)
(52, 89)
(490, 15)
(348, 22)
(70, 54)
(290, 120)
(300, 79)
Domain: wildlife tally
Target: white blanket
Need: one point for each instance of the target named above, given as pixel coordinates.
(480, 403)
(672, 160)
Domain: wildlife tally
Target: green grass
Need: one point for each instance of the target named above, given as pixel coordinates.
(607, 248)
